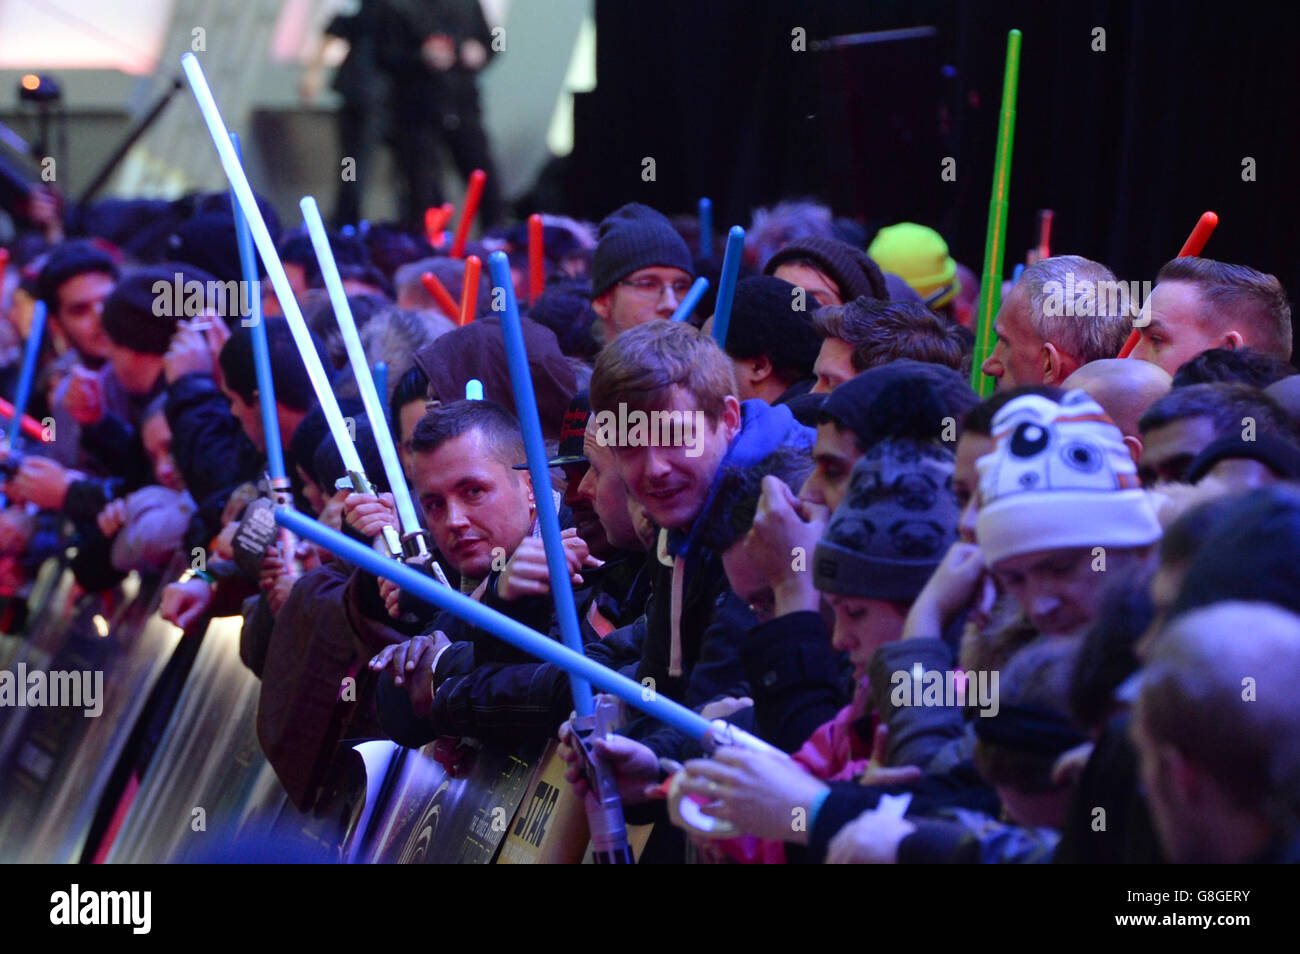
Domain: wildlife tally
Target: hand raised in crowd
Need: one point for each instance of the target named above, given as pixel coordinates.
(277, 577)
(526, 574)
(41, 481)
(635, 766)
(781, 545)
(16, 527)
(951, 588)
(368, 514)
(112, 518)
(45, 208)
(184, 603)
(188, 353)
(411, 665)
(767, 794)
(84, 398)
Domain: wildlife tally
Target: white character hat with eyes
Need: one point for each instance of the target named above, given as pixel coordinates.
(1059, 476)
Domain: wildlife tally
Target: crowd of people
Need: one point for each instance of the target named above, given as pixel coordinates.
(1058, 624)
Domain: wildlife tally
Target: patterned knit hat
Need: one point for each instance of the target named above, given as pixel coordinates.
(1059, 476)
(895, 524)
(635, 237)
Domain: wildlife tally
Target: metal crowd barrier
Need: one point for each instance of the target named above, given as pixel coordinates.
(171, 771)
(56, 760)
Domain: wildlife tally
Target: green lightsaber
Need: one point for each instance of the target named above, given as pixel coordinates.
(996, 241)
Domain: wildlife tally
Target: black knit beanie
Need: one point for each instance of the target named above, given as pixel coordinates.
(902, 397)
(851, 269)
(143, 308)
(635, 237)
(895, 524)
(764, 322)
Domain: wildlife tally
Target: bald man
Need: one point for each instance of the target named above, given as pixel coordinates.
(1124, 389)
(1217, 731)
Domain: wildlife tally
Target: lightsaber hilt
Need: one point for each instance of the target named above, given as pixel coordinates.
(281, 493)
(603, 804)
(415, 548)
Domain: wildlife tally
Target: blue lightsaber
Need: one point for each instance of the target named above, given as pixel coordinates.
(361, 372)
(706, 228)
(275, 273)
(27, 374)
(526, 404)
(380, 373)
(692, 299)
(727, 284)
(261, 350)
(499, 625)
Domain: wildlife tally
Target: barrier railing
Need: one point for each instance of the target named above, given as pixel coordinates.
(74, 787)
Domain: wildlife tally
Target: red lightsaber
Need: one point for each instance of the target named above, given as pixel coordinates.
(1044, 234)
(469, 290)
(435, 220)
(1200, 234)
(536, 263)
(31, 427)
(446, 303)
(473, 196)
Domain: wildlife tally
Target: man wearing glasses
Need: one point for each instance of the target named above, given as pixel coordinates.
(640, 271)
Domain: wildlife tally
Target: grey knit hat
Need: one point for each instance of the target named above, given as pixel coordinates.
(633, 237)
(895, 524)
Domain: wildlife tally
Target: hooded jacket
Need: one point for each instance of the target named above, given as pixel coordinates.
(691, 652)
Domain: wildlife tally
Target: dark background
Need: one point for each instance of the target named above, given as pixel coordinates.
(1128, 146)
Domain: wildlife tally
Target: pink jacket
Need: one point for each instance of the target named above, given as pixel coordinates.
(835, 752)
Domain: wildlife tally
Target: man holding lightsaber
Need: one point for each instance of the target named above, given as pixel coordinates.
(532, 696)
(482, 517)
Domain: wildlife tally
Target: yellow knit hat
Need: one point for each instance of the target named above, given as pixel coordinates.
(919, 256)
